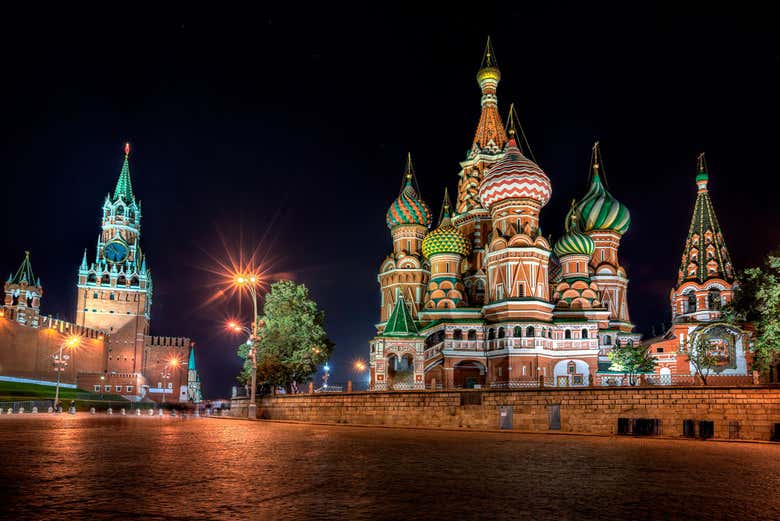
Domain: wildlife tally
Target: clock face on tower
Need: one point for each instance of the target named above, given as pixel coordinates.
(115, 251)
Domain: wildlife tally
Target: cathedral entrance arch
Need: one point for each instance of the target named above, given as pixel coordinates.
(400, 371)
(571, 373)
(469, 374)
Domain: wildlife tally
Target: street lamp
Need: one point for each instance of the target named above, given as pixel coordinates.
(61, 362)
(172, 364)
(250, 282)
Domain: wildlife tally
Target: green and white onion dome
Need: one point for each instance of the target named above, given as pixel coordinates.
(574, 242)
(445, 239)
(408, 209)
(598, 210)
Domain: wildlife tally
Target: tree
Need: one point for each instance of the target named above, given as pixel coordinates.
(291, 341)
(756, 306)
(701, 355)
(631, 360)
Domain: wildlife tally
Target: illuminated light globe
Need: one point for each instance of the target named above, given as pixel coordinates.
(514, 177)
(408, 209)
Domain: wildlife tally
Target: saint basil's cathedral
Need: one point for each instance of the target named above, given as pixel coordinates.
(485, 300)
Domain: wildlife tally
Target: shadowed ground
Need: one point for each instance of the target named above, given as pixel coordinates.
(151, 468)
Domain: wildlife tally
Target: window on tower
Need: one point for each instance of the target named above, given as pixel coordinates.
(91, 278)
(112, 297)
(105, 279)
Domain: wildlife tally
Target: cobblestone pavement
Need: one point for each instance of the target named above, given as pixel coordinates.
(165, 468)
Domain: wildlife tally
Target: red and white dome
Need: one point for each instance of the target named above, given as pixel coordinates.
(514, 177)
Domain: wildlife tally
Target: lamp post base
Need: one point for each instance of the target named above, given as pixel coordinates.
(252, 411)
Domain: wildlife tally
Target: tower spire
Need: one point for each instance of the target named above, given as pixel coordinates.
(445, 207)
(702, 178)
(490, 136)
(409, 173)
(124, 187)
(24, 273)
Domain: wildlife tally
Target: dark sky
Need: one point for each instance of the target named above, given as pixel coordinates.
(293, 126)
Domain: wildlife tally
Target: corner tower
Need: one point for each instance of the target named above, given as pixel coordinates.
(705, 281)
(23, 294)
(115, 290)
(604, 219)
(404, 271)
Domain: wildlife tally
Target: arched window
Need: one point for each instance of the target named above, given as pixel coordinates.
(457, 334)
(491, 333)
(105, 279)
(134, 281)
(501, 332)
(529, 331)
(571, 367)
(92, 278)
(691, 302)
(120, 211)
(549, 333)
(584, 333)
(607, 340)
(713, 298)
(122, 280)
(472, 335)
(518, 331)
(131, 215)
(567, 334)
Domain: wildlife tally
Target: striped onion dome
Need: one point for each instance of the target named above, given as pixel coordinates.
(598, 210)
(573, 242)
(446, 238)
(514, 177)
(408, 208)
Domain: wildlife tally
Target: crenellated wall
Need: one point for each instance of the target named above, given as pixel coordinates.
(586, 410)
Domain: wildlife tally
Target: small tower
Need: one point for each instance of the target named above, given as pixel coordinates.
(23, 294)
(445, 248)
(706, 277)
(604, 219)
(517, 255)
(575, 291)
(403, 271)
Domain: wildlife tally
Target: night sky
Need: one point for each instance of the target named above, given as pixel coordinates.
(289, 129)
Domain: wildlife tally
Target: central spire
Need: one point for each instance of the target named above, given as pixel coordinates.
(490, 136)
(124, 187)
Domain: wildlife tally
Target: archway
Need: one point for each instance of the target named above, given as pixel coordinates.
(571, 373)
(469, 374)
(400, 371)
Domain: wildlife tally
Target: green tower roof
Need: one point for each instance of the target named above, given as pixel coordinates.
(124, 188)
(401, 322)
(24, 273)
(191, 363)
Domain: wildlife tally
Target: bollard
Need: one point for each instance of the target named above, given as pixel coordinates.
(10, 410)
(35, 410)
(21, 410)
(109, 411)
(151, 412)
(91, 410)
(138, 412)
(122, 410)
(349, 386)
(197, 413)
(160, 411)
(51, 409)
(72, 409)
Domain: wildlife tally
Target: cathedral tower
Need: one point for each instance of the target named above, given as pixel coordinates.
(471, 216)
(445, 247)
(576, 290)
(517, 256)
(706, 277)
(115, 291)
(403, 271)
(604, 219)
(23, 294)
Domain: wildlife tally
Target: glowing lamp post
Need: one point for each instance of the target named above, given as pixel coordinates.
(172, 364)
(61, 362)
(250, 283)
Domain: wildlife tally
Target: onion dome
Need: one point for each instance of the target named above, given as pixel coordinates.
(598, 210)
(446, 238)
(514, 177)
(574, 242)
(408, 208)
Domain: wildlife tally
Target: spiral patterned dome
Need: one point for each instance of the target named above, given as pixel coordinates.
(408, 208)
(574, 243)
(514, 177)
(598, 210)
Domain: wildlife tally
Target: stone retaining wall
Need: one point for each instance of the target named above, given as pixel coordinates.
(586, 410)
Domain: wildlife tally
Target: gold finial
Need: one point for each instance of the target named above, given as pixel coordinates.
(700, 162)
(596, 156)
(446, 203)
(489, 59)
(511, 130)
(409, 171)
